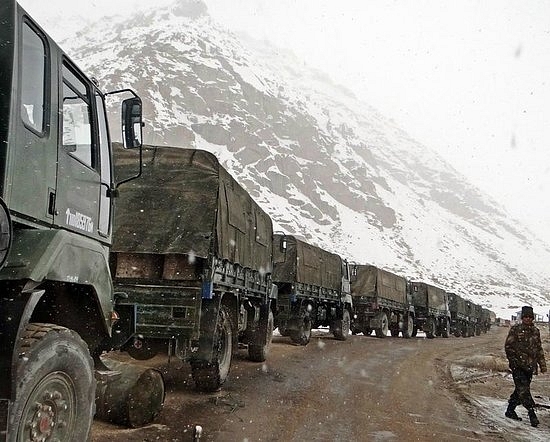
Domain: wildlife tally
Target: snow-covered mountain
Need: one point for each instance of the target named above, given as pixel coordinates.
(323, 164)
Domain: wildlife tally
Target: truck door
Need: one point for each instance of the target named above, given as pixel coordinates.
(78, 192)
(32, 169)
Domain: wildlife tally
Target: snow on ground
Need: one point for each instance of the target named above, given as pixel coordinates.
(486, 384)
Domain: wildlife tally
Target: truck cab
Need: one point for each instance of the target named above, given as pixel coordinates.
(56, 210)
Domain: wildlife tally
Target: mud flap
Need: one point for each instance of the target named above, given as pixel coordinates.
(209, 317)
(21, 307)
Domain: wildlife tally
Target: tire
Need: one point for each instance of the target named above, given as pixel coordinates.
(382, 331)
(430, 328)
(210, 376)
(258, 353)
(409, 327)
(303, 334)
(458, 330)
(55, 386)
(342, 326)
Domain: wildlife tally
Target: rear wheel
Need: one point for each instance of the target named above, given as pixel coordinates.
(382, 330)
(56, 386)
(342, 326)
(302, 335)
(210, 376)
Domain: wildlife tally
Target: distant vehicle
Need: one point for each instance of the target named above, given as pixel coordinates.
(460, 319)
(381, 302)
(431, 308)
(313, 289)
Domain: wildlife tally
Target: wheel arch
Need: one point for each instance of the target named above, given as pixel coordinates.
(50, 302)
(67, 304)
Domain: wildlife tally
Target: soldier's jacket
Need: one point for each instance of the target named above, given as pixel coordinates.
(524, 349)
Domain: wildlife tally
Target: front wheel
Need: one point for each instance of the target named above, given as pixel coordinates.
(430, 328)
(408, 328)
(258, 353)
(209, 376)
(55, 386)
(342, 326)
(382, 330)
(302, 335)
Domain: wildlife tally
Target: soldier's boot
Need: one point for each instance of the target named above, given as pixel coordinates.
(533, 417)
(511, 413)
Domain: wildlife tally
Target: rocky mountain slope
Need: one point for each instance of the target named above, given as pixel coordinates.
(324, 165)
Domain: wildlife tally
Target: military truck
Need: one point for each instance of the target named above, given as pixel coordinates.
(460, 319)
(313, 289)
(485, 320)
(381, 302)
(431, 308)
(192, 260)
(56, 201)
(477, 319)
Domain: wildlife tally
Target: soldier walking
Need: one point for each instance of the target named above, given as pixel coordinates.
(524, 352)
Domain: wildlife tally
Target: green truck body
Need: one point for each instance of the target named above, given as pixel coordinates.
(191, 246)
(431, 309)
(313, 289)
(381, 302)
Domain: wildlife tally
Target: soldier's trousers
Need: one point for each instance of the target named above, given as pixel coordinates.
(522, 392)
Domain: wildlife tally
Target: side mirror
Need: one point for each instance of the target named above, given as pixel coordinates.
(132, 123)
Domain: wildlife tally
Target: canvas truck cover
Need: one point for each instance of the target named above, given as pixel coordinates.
(457, 304)
(303, 263)
(185, 202)
(372, 282)
(428, 296)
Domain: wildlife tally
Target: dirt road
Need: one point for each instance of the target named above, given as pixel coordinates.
(362, 389)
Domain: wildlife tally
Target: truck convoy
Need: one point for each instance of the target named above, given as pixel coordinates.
(56, 201)
(381, 302)
(431, 308)
(313, 289)
(190, 267)
(192, 260)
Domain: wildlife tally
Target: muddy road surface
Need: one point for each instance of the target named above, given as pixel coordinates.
(362, 389)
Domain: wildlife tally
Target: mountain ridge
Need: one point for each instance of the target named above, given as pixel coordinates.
(323, 164)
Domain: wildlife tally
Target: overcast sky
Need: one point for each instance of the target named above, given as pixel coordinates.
(469, 79)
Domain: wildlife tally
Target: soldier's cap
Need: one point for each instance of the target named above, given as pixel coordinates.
(527, 311)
